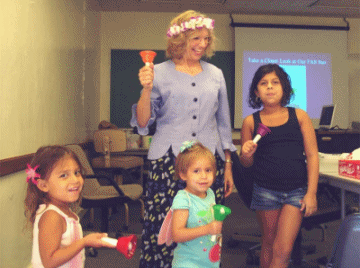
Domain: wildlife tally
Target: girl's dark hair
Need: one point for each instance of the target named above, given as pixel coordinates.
(285, 81)
(46, 158)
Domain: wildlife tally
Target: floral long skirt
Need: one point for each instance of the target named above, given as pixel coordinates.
(161, 189)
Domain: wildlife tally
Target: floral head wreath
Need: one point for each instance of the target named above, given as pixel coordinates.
(192, 24)
(31, 174)
(187, 145)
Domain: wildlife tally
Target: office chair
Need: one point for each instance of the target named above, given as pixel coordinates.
(105, 197)
(346, 249)
(243, 181)
(108, 142)
(329, 210)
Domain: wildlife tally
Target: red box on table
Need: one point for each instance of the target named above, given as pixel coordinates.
(349, 168)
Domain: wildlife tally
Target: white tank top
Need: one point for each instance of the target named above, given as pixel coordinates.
(73, 233)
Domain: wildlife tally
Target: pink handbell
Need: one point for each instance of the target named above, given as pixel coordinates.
(261, 132)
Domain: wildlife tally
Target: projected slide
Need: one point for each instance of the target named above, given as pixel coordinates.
(297, 74)
(310, 76)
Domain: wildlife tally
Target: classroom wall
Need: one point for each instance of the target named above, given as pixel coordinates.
(55, 85)
(139, 30)
(92, 62)
(46, 47)
(354, 69)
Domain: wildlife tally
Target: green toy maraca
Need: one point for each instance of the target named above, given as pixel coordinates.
(220, 213)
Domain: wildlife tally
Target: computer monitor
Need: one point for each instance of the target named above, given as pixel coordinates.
(327, 116)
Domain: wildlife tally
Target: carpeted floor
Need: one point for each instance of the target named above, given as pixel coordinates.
(234, 253)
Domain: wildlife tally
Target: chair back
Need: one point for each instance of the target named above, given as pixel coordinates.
(346, 250)
(90, 185)
(82, 158)
(109, 140)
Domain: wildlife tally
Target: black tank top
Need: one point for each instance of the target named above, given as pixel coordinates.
(279, 161)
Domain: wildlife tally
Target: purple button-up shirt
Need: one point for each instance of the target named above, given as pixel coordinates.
(188, 107)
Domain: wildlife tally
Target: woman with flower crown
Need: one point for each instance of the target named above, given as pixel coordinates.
(187, 97)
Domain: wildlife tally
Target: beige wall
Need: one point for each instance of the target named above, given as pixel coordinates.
(92, 72)
(354, 69)
(55, 82)
(45, 96)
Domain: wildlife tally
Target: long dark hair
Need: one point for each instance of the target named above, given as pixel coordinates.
(46, 159)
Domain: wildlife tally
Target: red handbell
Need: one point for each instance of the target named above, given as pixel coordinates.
(147, 56)
(127, 245)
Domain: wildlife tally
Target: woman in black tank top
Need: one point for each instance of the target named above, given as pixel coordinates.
(285, 164)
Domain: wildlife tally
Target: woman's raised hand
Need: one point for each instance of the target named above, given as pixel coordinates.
(146, 76)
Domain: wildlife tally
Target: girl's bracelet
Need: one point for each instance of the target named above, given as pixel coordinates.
(228, 161)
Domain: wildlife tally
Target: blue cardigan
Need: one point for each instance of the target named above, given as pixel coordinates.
(188, 107)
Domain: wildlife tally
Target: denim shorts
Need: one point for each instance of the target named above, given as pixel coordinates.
(265, 199)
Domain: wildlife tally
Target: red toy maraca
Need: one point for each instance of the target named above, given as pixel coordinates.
(261, 132)
(147, 56)
(125, 245)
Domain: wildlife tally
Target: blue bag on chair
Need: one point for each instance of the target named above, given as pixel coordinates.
(346, 250)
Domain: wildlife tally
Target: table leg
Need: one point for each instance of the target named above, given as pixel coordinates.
(342, 203)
